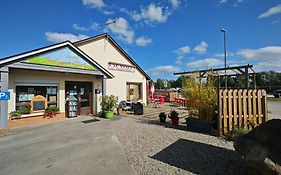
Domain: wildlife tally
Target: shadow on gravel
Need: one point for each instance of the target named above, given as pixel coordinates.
(90, 121)
(182, 126)
(202, 158)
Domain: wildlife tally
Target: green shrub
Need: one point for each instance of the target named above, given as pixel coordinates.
(201, 98)
(51, 111)
(25, 109)
(236, 132)
(108, 103)
(15, 114)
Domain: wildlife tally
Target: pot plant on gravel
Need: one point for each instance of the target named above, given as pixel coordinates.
(174, 116)
(201, 103)
(162, 117)
(108, 103)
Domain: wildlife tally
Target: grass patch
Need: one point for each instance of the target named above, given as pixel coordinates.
(274, 99)
(235, 133)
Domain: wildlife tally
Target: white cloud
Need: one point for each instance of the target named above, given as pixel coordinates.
(94, 3)
(151, 14)
(106, 12)
(265, 58)
(163, 69)
(228, 54)
(272, 11)
(205, 63)
(269, 53)
(80, 28)
(182, 50)
(59, 37)
(122, 29)
(222, 1)
(201, 48)
(175, 3)
(181, 53)
(143, 41)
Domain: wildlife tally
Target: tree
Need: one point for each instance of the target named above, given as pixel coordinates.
(159, 84)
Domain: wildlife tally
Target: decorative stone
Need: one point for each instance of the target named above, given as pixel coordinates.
(261, 147)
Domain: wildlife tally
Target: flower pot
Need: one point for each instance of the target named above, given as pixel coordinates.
(175, 120)
(162, 119)
(108, 114)
(199, 125)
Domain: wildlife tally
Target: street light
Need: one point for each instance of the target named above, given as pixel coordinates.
(224, 40)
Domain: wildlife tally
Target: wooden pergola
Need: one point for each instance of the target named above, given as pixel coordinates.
(246, 70)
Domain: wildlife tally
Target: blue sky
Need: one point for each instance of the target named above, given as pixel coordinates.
(163, 36)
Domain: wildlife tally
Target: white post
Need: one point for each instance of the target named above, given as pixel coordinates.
(4, 104)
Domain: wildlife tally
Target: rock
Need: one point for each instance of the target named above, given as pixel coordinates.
(261, 147)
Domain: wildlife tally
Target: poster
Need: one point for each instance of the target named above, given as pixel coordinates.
(23, 97)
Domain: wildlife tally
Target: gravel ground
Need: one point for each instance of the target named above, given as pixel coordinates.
(155, 149)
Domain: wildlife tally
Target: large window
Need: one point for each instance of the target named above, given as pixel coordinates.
(134, 91)
(24, 94)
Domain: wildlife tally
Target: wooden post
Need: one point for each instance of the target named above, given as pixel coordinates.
(219, 118)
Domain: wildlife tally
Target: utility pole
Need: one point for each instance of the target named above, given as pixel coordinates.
(224, 41)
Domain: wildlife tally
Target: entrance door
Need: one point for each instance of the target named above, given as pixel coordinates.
(83, 92)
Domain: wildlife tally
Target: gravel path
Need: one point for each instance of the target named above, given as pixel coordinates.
(155, 149)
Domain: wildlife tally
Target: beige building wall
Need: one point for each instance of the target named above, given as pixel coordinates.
(20, 76)
(104, 52)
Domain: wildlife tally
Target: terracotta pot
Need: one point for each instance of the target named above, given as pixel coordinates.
(175, 120)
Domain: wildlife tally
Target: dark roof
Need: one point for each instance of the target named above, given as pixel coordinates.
(22, 56)
(106, 35)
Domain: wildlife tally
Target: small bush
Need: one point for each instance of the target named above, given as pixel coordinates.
(15, 114)
(236, 132)
(25, 109)
(201, 98)
(51, 111)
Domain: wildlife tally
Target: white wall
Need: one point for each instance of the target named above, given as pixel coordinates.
(104, 52)
(31, 76)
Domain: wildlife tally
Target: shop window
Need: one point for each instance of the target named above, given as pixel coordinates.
(24, 94)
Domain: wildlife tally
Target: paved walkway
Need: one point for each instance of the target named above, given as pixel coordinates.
(74, 146)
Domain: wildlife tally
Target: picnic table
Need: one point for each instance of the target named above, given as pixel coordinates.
(155, 102)
(180, 101)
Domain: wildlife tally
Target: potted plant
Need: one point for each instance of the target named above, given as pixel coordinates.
(162, 117)
(51, 111)
(174, 116)
(108, 103)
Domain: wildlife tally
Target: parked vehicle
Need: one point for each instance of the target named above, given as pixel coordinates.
(277, 93)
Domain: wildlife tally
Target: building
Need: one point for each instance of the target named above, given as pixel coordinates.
(85, 69)
(129, 82)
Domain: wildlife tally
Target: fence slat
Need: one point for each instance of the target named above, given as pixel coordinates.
(245, 109)
(225, 129)
(259, 107)
(240, 109)
(254, 107)
(235, 108)
(230, 119)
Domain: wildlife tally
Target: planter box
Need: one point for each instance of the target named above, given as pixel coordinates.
(199, 125)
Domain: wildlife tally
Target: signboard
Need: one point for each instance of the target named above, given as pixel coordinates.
(63, 57)
(121, 67)
(4, 95)
(38, 104)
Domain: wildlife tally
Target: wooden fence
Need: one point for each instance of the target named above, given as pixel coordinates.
(241, 109)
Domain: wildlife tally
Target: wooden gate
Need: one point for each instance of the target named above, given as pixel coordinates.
(241, 109)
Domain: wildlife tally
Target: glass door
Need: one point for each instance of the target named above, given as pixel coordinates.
(83, 92)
